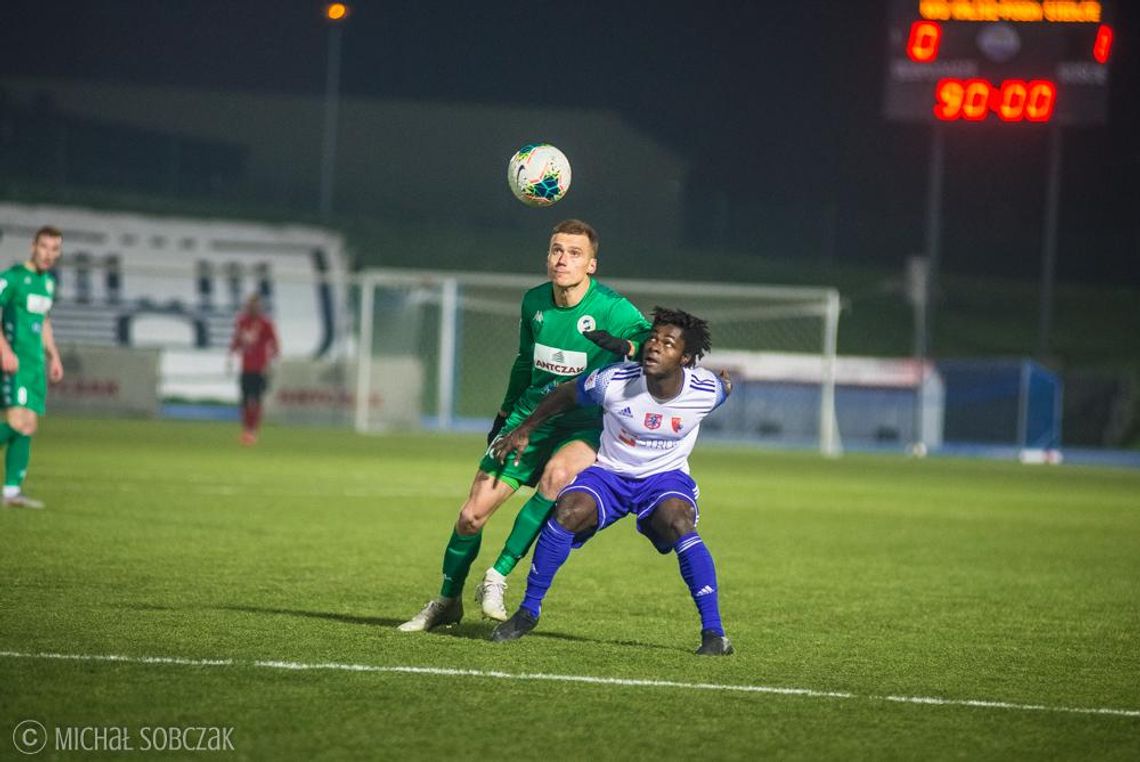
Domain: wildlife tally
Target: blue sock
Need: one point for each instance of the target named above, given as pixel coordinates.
(699, 573)
(550, 552)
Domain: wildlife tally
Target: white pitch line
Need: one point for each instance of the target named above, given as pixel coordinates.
(617, 681)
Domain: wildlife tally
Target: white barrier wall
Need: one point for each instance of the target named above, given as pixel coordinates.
(324, 393)
(107, 381)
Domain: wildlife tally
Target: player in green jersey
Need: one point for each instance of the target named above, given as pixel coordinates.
(568, 326)
(26, 347)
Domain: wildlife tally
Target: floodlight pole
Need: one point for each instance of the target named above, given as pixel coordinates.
(332, 104)
(1049, 247)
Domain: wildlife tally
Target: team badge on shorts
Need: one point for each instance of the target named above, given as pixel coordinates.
(652, 420)
(586, 323)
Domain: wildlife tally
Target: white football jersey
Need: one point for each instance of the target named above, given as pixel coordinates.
(644, 435)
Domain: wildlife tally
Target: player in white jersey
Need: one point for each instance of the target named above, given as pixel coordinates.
(652, 415)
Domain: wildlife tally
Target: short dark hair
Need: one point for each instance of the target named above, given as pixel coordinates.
(695, 331)
(577, 227)
(47, 231)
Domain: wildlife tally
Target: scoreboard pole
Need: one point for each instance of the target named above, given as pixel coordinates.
(1049, 242)
(936, 170)
(925, 294)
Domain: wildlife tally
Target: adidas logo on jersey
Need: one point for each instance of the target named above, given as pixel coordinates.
(706, 590)
(625, 412)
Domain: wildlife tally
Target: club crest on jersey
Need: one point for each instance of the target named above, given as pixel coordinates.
(586, 323)
(676, 421)
(652, 420)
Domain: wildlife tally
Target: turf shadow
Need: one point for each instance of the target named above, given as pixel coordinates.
(482, 631)
(470, 631)
(372, 621)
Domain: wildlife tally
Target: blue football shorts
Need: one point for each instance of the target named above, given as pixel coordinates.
(618, 496)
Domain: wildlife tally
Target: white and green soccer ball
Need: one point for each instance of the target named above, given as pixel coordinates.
(539, 174)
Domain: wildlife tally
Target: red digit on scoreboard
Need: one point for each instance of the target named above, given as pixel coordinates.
(1011, 102)
(1102, 47)
(1041, 99)
(922, 46)
(976, 104)
(949, 94)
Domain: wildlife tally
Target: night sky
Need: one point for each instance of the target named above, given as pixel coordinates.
(781, 102)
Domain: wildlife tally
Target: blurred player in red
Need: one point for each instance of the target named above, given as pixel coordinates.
(255, 339)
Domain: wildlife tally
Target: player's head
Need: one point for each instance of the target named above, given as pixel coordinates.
(677, 339)
(573, 253)
(253, 304)
(47, 245)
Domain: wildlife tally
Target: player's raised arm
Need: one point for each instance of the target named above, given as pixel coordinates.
(561, 399)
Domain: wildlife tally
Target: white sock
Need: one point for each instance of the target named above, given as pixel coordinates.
(11, 490)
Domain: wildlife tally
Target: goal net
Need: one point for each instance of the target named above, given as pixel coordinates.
(438, 346)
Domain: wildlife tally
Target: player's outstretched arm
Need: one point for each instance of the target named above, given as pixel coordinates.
(610, 343)
(561, 399)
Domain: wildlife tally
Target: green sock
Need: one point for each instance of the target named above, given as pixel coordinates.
(527, 526)
(6, 433)
(16, 460)
(457, 559)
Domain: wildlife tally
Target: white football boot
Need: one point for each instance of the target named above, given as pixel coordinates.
(437, 613)
(20, 500)
(490, 595)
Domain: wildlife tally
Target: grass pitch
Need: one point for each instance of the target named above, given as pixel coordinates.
(879, 580)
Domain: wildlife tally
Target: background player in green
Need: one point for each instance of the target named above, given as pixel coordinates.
(568, 326)
(26, 294)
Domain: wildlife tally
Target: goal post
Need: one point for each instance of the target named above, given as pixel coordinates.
(456, 334)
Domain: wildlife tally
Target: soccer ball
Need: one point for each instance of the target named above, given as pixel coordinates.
(539, 174)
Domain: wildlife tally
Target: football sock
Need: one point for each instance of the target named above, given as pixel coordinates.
(247, 417)
(457, 559)
(6, 433)
(527, 526)
(16, 460)
(699, 573)
(255, 416)
(550, 553)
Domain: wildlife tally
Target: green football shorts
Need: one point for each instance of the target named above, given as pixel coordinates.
(27, 387)
(546, 440)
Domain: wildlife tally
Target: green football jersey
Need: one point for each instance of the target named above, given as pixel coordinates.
(553, 350)
(25, 298)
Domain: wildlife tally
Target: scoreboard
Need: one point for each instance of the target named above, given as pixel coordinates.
(1043, 61)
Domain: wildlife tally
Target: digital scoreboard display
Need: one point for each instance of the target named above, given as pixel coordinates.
(1042, 61)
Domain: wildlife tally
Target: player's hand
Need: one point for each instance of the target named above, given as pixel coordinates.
(55, 370)
(726, 380)
(609, 342)
(9, 363)
(496, 427)
(515, 442)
